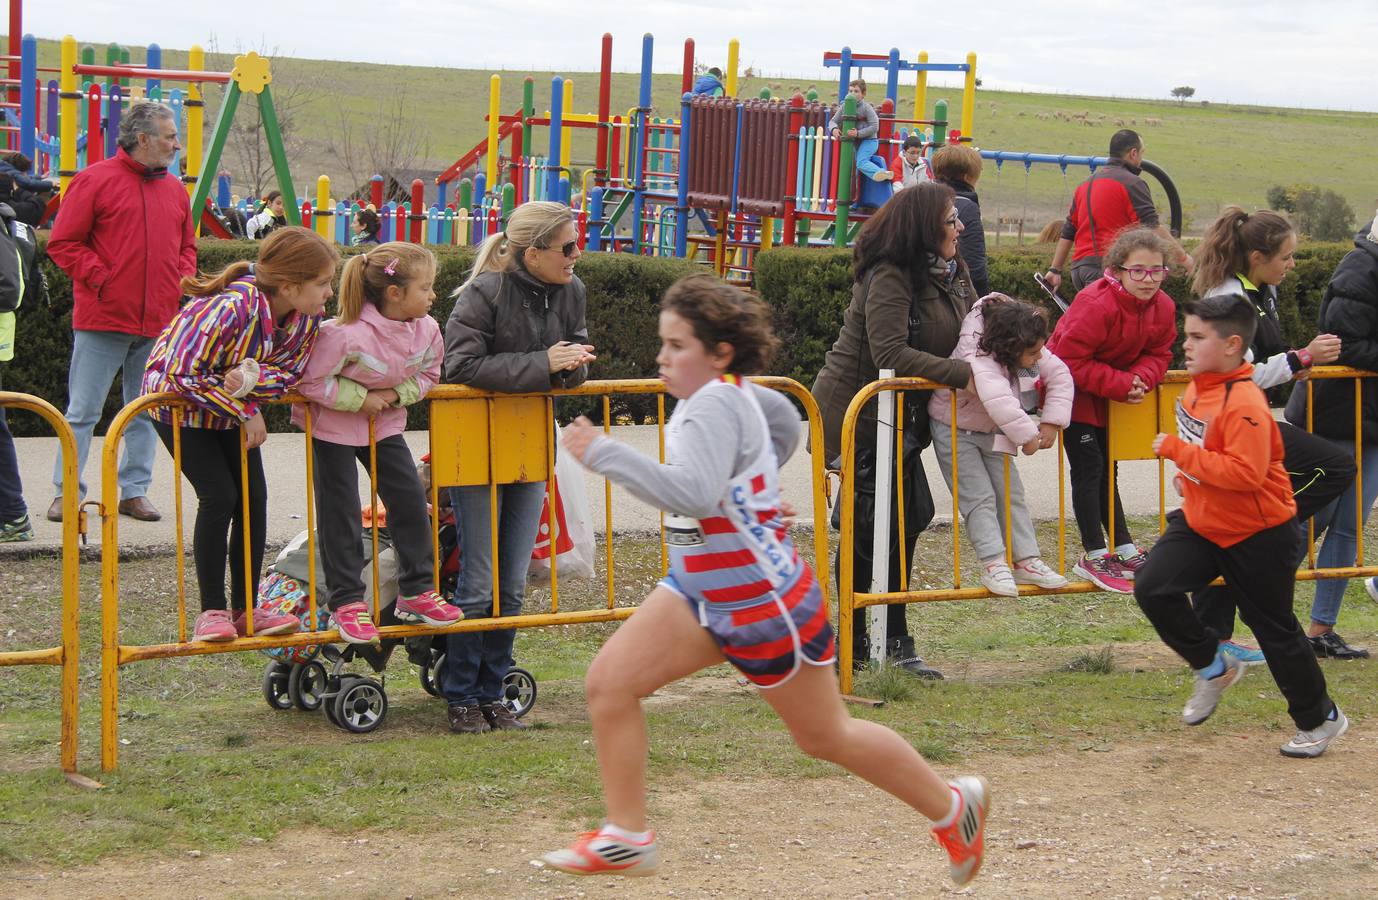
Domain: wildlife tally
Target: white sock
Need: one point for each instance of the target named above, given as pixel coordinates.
(1097, 554)
(952, 811)
(636, 837)
(1126, 550)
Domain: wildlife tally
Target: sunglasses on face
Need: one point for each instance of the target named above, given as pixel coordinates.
(566, 249)
(1140, 273)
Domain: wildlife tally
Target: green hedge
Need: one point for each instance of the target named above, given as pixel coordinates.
(808, 289)
(623, 294)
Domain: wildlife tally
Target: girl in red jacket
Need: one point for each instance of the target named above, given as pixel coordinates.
(1117, 338)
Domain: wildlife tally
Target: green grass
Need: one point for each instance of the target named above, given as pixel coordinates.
(207, 765)
(1218, 154)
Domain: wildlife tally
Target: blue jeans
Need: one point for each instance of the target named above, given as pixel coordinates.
(476, 662)
(12, 504)
(1341, 535)
(864, 151)
(96, 357)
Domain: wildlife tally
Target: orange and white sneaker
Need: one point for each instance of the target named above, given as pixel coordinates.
(964, 837)
(354, 624)
(599, 853)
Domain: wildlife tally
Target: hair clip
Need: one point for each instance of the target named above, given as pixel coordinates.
(391, 267)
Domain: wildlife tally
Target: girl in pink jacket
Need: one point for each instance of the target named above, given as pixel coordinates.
(1012, 375)
(379, 356)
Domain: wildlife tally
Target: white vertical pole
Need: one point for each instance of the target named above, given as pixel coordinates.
(880, 538)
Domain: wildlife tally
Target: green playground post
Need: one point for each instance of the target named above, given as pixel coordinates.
(217, 148)
(846, 164)
(466, 194)
(509, 201)
(272, 133)
(940, 123)
(528, 110)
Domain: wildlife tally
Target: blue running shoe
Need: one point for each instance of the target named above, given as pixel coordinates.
(1248, 656)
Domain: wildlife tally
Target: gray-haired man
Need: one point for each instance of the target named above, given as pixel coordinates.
(125, 236)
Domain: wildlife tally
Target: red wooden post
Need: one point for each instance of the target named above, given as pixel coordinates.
(399, 223)
(600, 164)
(306, 215)
(796, 122)
(686, 83)
(418, 210)
(515, 168)
(885, 132)
(95, 141)
(615, 134)
(375, 193)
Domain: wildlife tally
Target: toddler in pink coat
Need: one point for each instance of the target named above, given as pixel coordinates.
(1020, 397)
(380, 355)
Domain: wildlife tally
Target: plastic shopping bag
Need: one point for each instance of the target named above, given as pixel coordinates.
(573, 528)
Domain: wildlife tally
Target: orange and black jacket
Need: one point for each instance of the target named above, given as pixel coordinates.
(1229, 453)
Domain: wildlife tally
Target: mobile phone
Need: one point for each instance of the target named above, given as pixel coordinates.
(1048, 289)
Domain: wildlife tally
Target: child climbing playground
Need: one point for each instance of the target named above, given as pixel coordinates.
(863, 131)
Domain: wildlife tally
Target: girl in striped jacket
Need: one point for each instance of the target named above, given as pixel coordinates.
(243, 338)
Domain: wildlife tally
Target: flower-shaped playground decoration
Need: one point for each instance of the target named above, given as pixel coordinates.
(251, 72)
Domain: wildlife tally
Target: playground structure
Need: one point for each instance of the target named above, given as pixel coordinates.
(723, 180)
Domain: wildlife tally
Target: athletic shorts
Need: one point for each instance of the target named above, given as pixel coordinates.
(768, 642)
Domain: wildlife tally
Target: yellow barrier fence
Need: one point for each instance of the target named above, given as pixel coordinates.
(66, 654)
(476, 437)
(1131, 431)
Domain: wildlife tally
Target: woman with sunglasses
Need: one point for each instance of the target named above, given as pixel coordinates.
(1117, 338)
(910, 293)
(1249, 254)
(517, 326)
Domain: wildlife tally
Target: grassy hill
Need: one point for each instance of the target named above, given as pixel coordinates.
(1216, 154)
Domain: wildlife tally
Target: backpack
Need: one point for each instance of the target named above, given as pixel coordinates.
(21, 278)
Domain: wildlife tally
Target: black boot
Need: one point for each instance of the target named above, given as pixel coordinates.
(900, 651)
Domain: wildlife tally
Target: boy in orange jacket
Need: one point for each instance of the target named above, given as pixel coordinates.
(1237, 520)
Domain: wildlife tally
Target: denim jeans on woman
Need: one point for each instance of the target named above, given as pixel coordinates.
(1341, 535)
(476, 662)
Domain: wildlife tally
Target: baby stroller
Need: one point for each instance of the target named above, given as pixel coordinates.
(314, 677)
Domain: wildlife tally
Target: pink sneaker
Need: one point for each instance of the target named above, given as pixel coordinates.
(1105, 573)
(213, 625)
(1133, 563)
(267, 622)
(428, 607)
(354, 623)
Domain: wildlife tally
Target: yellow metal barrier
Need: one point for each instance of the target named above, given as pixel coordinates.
(477, 437)
(65, 655)
(1132, 428)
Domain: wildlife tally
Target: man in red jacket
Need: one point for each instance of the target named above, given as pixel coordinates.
(125, 237)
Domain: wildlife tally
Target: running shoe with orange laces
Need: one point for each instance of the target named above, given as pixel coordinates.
(964, 837)
(428, 607)
(597, 853)
(354, 624)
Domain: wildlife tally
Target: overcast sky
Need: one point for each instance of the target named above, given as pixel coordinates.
(1246, 51)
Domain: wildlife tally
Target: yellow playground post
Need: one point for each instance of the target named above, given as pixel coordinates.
(968, 97)
(494, 114)
(196, 112)
(324, 215)
(68, 98)
(734, 48)
(921, 87)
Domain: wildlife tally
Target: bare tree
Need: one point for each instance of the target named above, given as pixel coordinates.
(389, 139)
(246, 152)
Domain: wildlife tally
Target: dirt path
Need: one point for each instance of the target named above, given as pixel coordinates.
(1190, 815)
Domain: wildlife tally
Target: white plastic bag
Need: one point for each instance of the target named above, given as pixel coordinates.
(574, 531)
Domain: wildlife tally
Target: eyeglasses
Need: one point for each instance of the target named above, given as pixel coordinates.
(1141, 273)
(566, 249)
(952, 221)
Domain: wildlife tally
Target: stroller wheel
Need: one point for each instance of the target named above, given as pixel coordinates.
(361, 705)
(275, 684)
(334, 687)
(430, 674)
(306, 685)
(519, 691)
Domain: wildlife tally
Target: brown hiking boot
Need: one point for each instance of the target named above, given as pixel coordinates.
(467, 719)
(501, 718)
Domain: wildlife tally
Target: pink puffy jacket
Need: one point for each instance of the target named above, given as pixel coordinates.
(991, 402)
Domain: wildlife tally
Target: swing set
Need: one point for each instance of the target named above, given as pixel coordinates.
(1092, 163)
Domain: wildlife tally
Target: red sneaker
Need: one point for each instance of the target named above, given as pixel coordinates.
(1105, 573)
(428, 607)
(354, 623)
(267, 622)
(213, 625)
(1132, 563)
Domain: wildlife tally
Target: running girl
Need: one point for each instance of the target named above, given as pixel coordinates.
(380, 355)
(737, 590)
